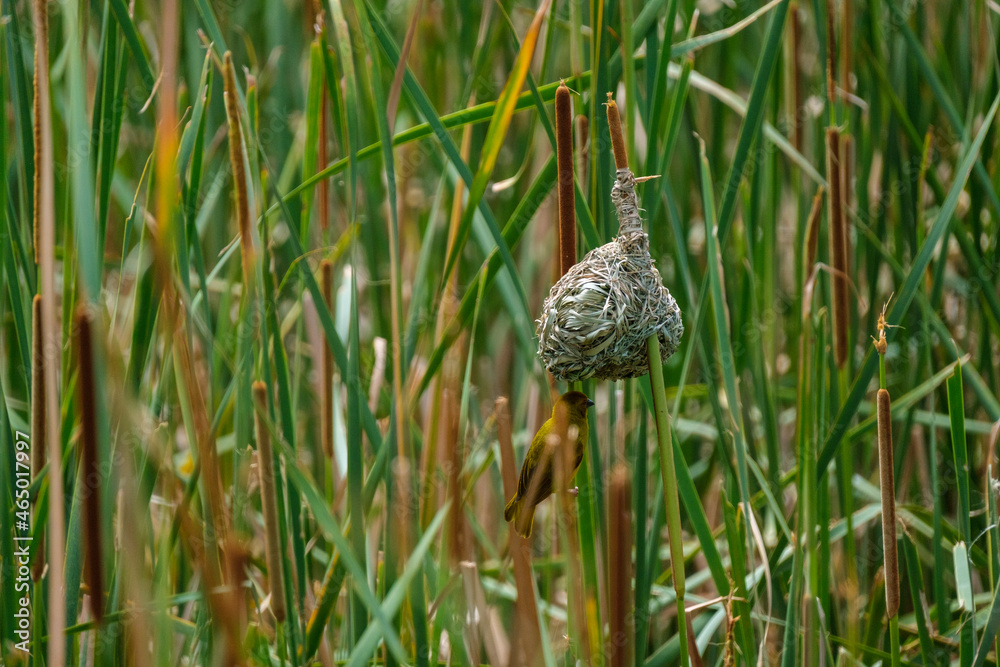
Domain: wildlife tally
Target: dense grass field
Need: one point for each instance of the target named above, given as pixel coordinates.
(268, 353)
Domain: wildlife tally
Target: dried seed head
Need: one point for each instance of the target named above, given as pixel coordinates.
(620, 562)
(881, 326)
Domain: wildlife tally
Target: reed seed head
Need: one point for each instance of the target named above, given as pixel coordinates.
(269, 502)
(617, 138)
(838, 247)
(566, 194)
(887, 484)
(91, 476)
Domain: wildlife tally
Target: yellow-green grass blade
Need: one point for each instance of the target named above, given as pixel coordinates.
(956, 412)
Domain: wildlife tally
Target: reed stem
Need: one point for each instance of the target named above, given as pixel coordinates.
(667, 469)
(37, 419)
(671, 501)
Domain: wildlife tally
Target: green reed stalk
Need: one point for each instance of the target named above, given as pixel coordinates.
(662, 415)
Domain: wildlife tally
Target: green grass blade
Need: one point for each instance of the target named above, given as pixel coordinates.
(906, 293)
(956, 412)
(121, 13)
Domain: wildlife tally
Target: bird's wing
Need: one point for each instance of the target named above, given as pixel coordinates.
(537, 463)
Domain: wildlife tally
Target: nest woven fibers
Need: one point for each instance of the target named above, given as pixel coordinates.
(597, 317)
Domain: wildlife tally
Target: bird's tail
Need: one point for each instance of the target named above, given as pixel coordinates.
(513, 508)
(523, 517)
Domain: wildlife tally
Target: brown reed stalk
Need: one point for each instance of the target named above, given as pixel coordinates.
(41, 58)
(812, 233)
(526, 619)
(45, 257)
(216, 519)
(838, 247)
(37, 419)
(564, 159)
(326, 369)
(90, 470)
(846, 23)
(847, 189)
(453, 470)
(269, 503)
(239, 172)
(560, 447)
(620, 567)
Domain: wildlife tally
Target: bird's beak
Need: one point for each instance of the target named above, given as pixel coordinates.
(590, 403)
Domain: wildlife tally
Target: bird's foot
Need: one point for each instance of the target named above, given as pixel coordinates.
(575, 491)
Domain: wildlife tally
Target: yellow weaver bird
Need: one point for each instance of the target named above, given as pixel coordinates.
(535, 483)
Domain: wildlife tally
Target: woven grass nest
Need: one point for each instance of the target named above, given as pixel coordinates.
(597, 317)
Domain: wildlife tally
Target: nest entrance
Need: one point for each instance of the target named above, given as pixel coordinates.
(597, 317)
